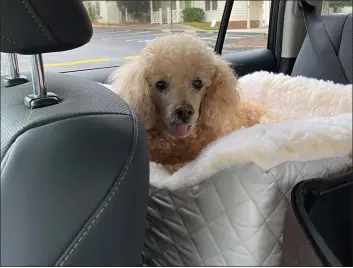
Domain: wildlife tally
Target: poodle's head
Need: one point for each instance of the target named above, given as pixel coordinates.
(176, 83)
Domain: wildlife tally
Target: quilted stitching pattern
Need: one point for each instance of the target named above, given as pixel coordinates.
(234, 218)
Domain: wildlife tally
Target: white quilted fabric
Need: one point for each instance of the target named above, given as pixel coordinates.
(233, 218)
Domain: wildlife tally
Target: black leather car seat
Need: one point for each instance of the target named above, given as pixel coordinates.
(75, 167)
(339, 29)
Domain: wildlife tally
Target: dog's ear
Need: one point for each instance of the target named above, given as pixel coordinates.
(221, 97)
(129, 82)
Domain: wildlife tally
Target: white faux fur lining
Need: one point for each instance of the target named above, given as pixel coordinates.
(296, 97)
(316, 123)
(266, 145)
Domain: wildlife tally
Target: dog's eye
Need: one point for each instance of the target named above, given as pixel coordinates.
(162, 85)
(197, 84)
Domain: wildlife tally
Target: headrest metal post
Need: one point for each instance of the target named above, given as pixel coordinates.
(40, 97)
(37, 72)
(13, 68)
(13, 78)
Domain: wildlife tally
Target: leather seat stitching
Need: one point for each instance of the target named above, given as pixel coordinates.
(9, 40)
(109, 198)
(35, 20)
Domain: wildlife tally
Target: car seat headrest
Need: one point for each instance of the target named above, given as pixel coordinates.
(37, 26)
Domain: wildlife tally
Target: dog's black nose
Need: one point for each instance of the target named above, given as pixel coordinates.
(184, 113)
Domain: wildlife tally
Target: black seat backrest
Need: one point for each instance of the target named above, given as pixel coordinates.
(75, 167)
(339, 29)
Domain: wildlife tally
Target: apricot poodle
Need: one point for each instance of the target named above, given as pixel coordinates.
(186, 96)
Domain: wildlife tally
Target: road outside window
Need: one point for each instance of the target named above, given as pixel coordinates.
(123, 28)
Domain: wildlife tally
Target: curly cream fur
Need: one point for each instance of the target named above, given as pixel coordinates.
(220, 110)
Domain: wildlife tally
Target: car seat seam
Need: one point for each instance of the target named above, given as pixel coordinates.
(108, 201)
(339, 49)
(339, 44)
(35, 20)
(9, 40)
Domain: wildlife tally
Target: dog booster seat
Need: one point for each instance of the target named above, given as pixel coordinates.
(227, 207)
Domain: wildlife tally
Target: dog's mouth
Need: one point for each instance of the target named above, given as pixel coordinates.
(179, 130)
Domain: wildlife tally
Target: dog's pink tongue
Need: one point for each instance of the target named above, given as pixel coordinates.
(179, 129)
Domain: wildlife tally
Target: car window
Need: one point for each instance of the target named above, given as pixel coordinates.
(122, 28)
(248, 26)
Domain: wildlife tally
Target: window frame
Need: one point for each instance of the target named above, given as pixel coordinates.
(211, 5)
(207, 5)
(272, 28)
(214, 4)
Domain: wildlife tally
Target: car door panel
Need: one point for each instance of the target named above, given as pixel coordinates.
(251, 61)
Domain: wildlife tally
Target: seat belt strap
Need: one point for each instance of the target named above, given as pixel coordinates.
(322, 45)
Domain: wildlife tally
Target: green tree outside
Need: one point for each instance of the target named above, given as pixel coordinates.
(336, 4)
